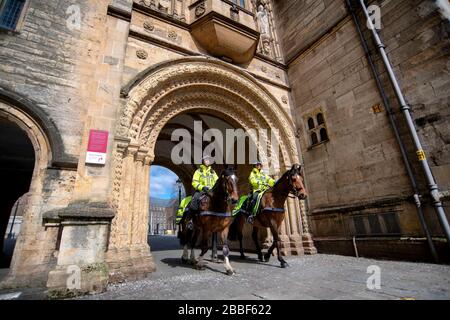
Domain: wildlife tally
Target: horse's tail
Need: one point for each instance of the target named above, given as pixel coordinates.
(234, 230)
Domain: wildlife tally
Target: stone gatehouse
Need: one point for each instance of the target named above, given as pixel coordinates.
(141, 69)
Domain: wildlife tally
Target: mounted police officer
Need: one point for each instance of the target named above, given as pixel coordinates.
(260, 182)
(203, 180)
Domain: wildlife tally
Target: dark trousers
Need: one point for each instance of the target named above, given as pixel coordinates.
(195, 202)
(252, 202)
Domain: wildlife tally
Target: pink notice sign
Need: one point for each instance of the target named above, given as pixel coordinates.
(97, 146)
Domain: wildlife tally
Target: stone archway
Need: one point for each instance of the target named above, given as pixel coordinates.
(31, 257)
(158, 95)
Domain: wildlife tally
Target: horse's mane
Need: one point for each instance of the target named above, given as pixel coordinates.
(281, 179)
(295, 167)
(225, 173)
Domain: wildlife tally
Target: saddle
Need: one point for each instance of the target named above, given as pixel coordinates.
(248, 204)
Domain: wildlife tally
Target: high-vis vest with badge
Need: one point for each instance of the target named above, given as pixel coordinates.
(204, 177)
(260, 181)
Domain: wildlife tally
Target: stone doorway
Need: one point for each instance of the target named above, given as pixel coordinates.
(17, 161)
(152, 103)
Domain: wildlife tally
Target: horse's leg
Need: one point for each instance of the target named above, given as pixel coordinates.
(184, 257)
(229, 270)
(277, 240)
(269, 252)
(255, 240)
(204, 246)
(193, 241)
(240, 235)
(214, 257)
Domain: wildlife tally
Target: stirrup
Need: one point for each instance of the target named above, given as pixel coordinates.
(190, 225)
(250, 219)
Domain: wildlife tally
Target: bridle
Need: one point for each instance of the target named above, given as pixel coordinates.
(292, 190)
(233, 177)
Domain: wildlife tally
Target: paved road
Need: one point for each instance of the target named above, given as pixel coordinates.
(309, 277)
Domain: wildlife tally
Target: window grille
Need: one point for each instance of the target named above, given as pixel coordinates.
(10, 13)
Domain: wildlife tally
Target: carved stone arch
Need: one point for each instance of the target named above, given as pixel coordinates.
(156, 84)
(59, 158)
(158, 95)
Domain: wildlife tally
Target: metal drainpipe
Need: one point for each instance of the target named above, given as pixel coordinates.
(406, 109)
(393, 121)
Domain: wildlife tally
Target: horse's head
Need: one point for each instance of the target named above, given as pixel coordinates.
(296, 182)
(229, 180)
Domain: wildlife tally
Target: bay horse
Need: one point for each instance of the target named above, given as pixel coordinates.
(214, 215)
(270, 213)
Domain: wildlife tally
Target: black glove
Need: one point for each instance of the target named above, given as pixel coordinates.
(205, 189)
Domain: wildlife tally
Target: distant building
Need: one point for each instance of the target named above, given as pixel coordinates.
(161, 215)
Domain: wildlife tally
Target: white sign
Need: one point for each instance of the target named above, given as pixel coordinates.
(95, 157)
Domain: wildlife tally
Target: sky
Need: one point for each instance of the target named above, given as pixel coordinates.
(163, 183)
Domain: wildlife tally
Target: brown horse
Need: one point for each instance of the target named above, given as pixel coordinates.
(270, 213)
(215, 215)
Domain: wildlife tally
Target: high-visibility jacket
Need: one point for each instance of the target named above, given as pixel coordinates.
(183, 204)
(260, 181)
(204, 177)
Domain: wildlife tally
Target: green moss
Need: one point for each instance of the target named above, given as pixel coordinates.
(96, 267)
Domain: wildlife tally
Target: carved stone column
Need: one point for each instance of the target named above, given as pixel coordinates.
(129, 257)
(295, 238)
(308, 243)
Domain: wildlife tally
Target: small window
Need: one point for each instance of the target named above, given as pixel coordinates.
(317, 131)
(240, 3)
(10, 13)
(323, 135)
(314, 138)
(320, 119)
(311, 123)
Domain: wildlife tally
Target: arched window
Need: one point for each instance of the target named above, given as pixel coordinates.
(316, 127)
(320, 119)
(323, 135)
(314, 138)
(310, 124)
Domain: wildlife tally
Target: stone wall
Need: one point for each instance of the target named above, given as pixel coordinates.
(360, 167)
(301, 23)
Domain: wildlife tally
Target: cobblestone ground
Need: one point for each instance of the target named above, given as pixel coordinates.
(309, 277)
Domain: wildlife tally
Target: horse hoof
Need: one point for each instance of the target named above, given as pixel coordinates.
(243, 257)
(284, 265)
(184, 261)
(191, 262)
(267, 257)
(230, 272)
(200, 268)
